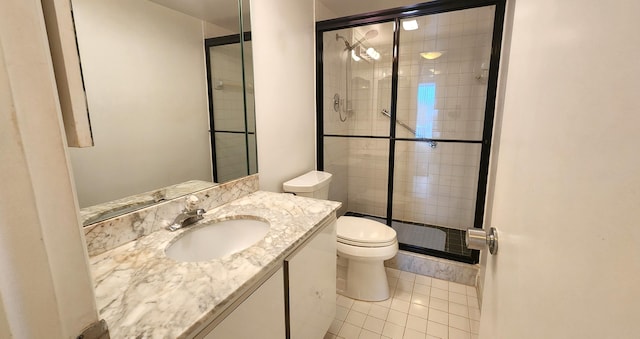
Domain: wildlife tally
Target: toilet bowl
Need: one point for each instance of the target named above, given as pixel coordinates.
(365, 244)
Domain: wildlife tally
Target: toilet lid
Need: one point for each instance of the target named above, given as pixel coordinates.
(364, 232)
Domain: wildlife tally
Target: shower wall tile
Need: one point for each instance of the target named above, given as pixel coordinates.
(226, 77)
(231, 156)
(334, 77)
(336, 155)
(457, 77)
(436, 186)
(336, 149)
(371, 87)
(368, 167)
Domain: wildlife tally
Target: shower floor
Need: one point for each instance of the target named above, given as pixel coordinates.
(424, 235)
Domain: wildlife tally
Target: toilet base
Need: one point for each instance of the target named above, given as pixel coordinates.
(366, 280)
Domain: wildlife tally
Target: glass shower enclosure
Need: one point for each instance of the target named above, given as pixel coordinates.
(405, 113)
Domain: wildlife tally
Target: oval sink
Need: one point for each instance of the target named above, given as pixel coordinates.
(217, 239)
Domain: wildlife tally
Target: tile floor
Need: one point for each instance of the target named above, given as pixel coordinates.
(420, 307)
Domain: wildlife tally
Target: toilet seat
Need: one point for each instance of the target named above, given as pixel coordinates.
(362, 232)
(361, 253)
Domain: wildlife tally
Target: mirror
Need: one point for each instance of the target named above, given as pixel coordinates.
(146, 76)
(232, 125)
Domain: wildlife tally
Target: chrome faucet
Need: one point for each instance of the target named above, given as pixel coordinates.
(186, 218)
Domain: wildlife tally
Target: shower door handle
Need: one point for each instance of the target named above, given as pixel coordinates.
(478, 239)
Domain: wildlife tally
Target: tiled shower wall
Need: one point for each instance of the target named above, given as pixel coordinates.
(436, 186)
(359, 165)
(336, 150)
(460, 83)
(368, 168)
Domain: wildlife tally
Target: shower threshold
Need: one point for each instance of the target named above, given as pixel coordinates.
(425, 236)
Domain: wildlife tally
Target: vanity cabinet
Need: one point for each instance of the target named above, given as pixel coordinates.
(312, 285)
(298, 301)
(261, 315)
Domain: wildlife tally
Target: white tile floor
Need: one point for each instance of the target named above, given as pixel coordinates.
(420, 307)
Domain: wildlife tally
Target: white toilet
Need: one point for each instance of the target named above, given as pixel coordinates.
(364, 243)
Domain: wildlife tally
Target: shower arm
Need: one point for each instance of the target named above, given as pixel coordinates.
(384, 112)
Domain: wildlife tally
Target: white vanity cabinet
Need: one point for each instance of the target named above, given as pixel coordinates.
(261, 315)
(298, 301)
(312, 285)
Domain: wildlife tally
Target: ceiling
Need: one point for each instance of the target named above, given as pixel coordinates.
(223, 13)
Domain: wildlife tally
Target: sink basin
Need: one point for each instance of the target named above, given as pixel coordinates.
(217, 239)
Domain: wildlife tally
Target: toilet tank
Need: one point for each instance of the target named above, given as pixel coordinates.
(314, 184)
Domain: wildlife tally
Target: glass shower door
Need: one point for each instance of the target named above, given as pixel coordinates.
(405, 127)
(442, 86)
(357, 71)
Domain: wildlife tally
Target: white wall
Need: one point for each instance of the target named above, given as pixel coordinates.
(5, 331)
(284, 65)
(213, 30)
(144, 72)
(45, 287)
(323, 12)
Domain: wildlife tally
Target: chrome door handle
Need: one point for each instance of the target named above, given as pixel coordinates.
(478, 239)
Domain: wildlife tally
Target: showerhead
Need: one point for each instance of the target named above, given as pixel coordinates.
(367, 36)
(371, 34)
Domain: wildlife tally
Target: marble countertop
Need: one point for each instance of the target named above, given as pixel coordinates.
(141, 293)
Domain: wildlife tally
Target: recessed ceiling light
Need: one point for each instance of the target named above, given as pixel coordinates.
(431, 55)
(410, 25)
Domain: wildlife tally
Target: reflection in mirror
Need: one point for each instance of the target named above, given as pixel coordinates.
(144, 71)
(233, 125)
(249, 101)
(96, 213)
(231, 108)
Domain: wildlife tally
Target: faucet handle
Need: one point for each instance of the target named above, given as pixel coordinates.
(191, 203)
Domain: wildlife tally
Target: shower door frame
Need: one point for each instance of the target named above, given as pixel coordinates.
(396, 15)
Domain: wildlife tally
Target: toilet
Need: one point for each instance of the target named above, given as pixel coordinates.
(364, 243)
